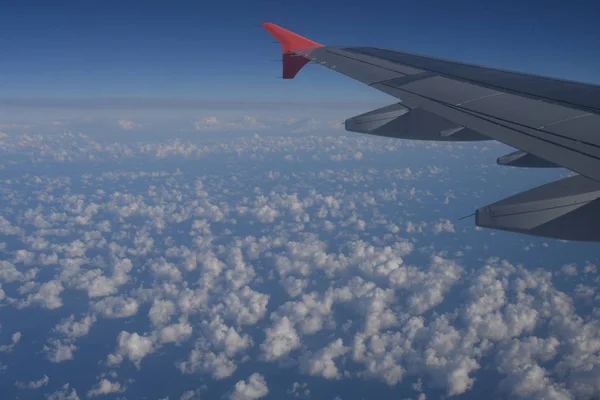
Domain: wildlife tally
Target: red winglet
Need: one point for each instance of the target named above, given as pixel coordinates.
(290, 42)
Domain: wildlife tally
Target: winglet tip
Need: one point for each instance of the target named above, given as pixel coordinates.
(289, 40)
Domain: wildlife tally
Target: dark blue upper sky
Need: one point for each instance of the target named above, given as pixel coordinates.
(215, 50)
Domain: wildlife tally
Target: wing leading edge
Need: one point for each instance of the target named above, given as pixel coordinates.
(552, 122)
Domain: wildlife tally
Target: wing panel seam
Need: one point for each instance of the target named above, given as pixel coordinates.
(481, 115)
(480, 98)
(489, 85)
(580, 203)
(406, 79)
(565, 120)
(486, 118)
(370, 63)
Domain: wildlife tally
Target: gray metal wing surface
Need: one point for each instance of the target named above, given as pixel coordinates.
(552, 122)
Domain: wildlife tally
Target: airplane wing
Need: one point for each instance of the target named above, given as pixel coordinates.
(552, 123)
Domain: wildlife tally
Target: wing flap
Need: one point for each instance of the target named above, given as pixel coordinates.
(399, 121)
(524, 160)
(560, 210)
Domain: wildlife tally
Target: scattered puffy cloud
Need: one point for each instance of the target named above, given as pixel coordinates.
(190, 395)
(226, 338)
(264, 124)
(161, 311)
(33, 384)
(64, 393)
(255, 387)
(116, 307)
(15, 338)
(175, 333)
(47, 296)
(131, 346)
(245, 306)
(200, 359)
(299, 390)
(569, 270)
(280, 340)
(128, 125)
(59, 350)
(217, 124)
(322, 363)
(104, 387)
(72, 328)
(443, 226)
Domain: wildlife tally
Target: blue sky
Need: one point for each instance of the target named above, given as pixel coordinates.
(216, 50)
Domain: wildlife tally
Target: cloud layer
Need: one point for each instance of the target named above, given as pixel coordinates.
(308, 254)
